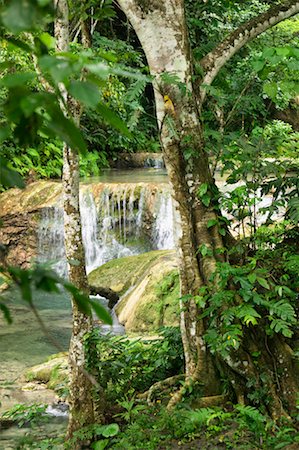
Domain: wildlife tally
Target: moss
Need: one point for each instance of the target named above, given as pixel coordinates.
(160, 304)
(34, 196)
(123, 273)
(55, 368)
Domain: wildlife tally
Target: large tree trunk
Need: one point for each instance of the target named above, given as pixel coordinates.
(185, 158)
(80, 388)
(161, 29)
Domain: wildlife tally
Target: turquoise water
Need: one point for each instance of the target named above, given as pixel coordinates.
(23, 343)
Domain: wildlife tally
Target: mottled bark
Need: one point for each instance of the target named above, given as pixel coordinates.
(185, 159)
(80, 388)
(86, 37)
(161, 29)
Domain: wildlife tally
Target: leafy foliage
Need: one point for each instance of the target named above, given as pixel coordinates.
(26, 414)
(125, 365)
(259, 293)
(243, 427)
(92, 433)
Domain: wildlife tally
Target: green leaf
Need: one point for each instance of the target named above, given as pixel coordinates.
(283, 51)
(66, 130)
(23, 15)
(6, 313)
(249, 320)
(206, 199)
(271, 90)
(263, 282)
(268, 52)
(86, 92)
(110, 430)
(211, 223)
(100, 445)
(203, 189)
(17, 16)
(284, 310)
(17, 79)
(252, 278)
(102, 70)
(60, 69)
(81, 299)
(101, 312)
(258, 65)
(47, 40)
(113, 120)
(9, 177)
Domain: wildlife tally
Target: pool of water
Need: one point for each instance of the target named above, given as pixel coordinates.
(23, 343)
(129, 176)
(14, 437)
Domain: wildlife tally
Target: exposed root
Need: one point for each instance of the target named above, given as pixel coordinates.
(158, 387)
(178, 395)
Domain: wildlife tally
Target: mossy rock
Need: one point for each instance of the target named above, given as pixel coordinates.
(149, 284)
(37, 195)
(123, 273)
(150, 304)
(53, 372)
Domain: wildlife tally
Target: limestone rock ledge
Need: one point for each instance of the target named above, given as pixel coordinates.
(149, 286)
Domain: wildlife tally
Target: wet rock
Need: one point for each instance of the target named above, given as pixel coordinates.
(111, 295)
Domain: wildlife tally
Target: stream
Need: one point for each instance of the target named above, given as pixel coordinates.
(113, 225)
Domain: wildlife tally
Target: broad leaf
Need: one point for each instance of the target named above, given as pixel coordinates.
(9, 177)
(110, 430)
(87, 93)
(17, 79)
(113, 120)
(101, 312)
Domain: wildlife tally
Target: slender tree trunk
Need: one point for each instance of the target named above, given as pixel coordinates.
(162, 32)
(80, 388)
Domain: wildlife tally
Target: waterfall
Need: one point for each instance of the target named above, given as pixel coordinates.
(163, 236)
(117, 220)
(51, 240)
(88, 211)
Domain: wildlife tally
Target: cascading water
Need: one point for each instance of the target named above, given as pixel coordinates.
(92, 247)
(163, 235)
(117, 220)
(51, 240)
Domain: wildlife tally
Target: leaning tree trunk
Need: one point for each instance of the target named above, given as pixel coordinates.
(161, 29)
(80, 388)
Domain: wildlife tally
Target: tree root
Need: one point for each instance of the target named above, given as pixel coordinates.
(158, 387)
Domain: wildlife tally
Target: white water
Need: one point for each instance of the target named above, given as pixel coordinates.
(92, 247)
(123, 221)
(163, 235)
(51, 240)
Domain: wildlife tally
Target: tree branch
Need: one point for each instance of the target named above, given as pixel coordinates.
(215, 60)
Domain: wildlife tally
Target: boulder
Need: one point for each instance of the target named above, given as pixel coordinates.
(149, 286)
(53, 372)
